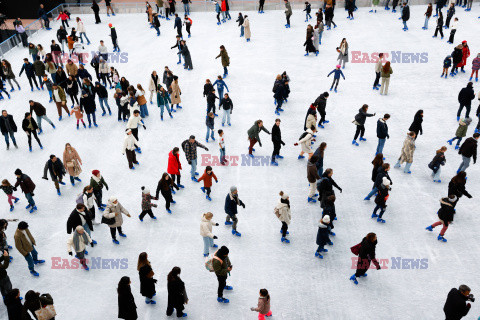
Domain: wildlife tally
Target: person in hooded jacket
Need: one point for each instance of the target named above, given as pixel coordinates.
(445, 215)
(127, 309)
(222, 267)
(325, 186)
(455, 306)
(321, 104)
(436, 163)
(283, 213)
(465, 97)
(360, 123)
(366, 256)
(55, 167)
(468, 150)
(416, 125)
(231, 202)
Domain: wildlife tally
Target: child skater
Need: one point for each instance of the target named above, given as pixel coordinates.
(322, 236)
(336, 77)
(8, 189)
(461, 132)
(381, 200)
(282, 211)
(221, 144)
(147, 204)
(207, 181)
(79, 115)
(447, 63)
(445, 215)
(263, 307)
(438, 161)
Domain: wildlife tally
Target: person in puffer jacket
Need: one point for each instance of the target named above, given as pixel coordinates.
(206, 225)
(231, 203)
(263, 307)
(115, 210)
(147, 204)
(438, 161)
(282, 211)
(461, 132)
(445, 215)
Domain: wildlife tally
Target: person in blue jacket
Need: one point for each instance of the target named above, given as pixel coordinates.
(231, 203)
(447, 63)
(28, 68)
(336, 77)
(178, 25)
(220, 84)
(382, 132)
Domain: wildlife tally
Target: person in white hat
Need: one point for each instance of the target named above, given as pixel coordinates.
(322, 236)
(282, 211)
(381, 200)
(445, 215)
(114, 210)
(147, 204)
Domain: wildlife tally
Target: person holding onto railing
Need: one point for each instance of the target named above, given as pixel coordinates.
(62, 15)
(28, 68)
(42, 14)
(96, 10)
(21, 31)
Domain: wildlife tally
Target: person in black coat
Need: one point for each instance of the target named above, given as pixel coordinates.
(87, 104)
(30, 72)
(405, 16)
(240, 20)
(113, 35)
(445, 215)
(55, 167)
(380, 170)
(359, 121)
(72, 90)
(207, 87)
(456, 186)
(329, 210)
(366, 256)
(277, 141)
(75, 219)
(382, 132)
(178, 25)
(279, 93)
(227, 105)
(8, 128)
(96, 10)
(102, 94)
(165, 186)
(211, 97)
(321, 105)
(231, 202)
(457, 56)
(147, 282)
(416, 125)
(322, 235)
(177, 295)
(381, 200)
(468, 150)
(325, 187)
(465, 97)
(14, 305)
(456, 306)
(29, 125)
(127, 309)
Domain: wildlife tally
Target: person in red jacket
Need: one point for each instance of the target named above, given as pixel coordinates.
(174, 166)
(207, 181)
(62, 15)
(465, 55)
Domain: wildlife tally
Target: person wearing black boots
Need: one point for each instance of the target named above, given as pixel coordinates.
(366, 255)
(439, 27)
(29, 125)
(325, 187)
(8, 128)
(359, 121)
(165, 186)
(456, 306)
(277, 142)
(321, 104)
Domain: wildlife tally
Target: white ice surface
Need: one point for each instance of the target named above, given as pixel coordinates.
(301, 286)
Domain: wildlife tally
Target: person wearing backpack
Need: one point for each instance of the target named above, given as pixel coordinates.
(206, 232)
(222, 267)
(306, 140)
(381, 200)
(231, 203)
(322, 236)
(282, 211)
(366, 255)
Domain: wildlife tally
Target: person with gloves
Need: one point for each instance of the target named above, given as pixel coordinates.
(254, 135)
(129, 145)
(231, 203)
(190, 148)
(206, 225)
(79, 242)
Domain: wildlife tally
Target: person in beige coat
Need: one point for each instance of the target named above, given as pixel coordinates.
(386, 72)
(282, 211)
(79, 241)
(263, 307)
(114, 210)
(246, 26)
(378, 71)
(153, 85)
(176, 92)
(25, 244)
(306, 143)
(72, 162)
(206, 225)
(407, 152)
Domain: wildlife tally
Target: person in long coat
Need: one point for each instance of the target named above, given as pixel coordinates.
(407, 152)
(416, 125)
(186, 56)
(177, 295)
(283, 213)
(176, 92)
(147, 283)
(72, 162)
(127, 309)
(246, 27)
(366, 256)
(115, 210)
(343, 52)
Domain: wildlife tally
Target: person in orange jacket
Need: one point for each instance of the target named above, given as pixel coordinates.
(207, 181)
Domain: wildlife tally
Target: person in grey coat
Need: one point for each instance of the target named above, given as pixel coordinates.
(186, 56)
(343, 52)
(288, 13)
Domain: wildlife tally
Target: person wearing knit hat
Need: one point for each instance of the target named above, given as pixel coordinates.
(79, 241)
(283, 213)
(129, 148)
(113, 218)
(231, 203)
(97, 182)
(336, 77)
(445, 215)
(113, 35)
(147, 204)
(322, 236)
(381, 200)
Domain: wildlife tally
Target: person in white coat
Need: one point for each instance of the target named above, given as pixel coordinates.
(306, 142)
(153, 85)
(103, 51)
(129, 145)
(79, 51)
(79, 241)
(133, 123)
(114, 210)
(81, 31)
(104, 72)
(246, 26)
(283, 213)
(131, 108)
(206, 225)
(89, 200)
(378, 72)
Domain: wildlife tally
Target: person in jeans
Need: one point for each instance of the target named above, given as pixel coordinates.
(222, 267)
(115, 210)
(382, 132)
(102, 93)
(206, 232)
(468, 150)
(186, 6)
(41, 113)
(8, 128)
(25, 244)
(190, 148)
(210, 122)
(231, 203)
(378, 173)
(227, 105)
(360, 123)
(27, 186)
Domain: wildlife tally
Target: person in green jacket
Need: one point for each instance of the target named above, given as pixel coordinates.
(97, 182)
(163, 99)
(225, 60)
(461, 132)
(254, 135)
(374, 5)
(385, 74)
(222, 267)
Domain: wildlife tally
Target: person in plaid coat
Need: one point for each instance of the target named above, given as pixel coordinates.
(190, 148)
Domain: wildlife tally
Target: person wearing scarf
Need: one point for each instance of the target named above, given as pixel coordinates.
(79, 241)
